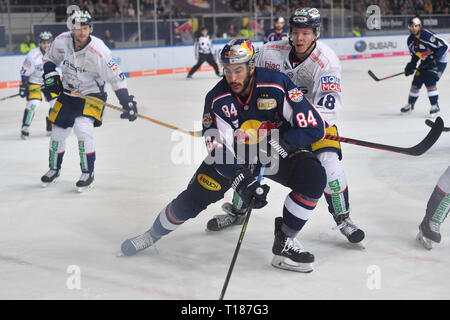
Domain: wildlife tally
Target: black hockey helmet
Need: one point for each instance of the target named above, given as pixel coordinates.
(306, 18)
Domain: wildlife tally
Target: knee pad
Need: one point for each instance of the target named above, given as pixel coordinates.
(84, 130)
(309, 178)
(205, 187)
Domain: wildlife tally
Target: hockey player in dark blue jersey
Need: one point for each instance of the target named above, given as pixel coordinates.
(278, 33)
(253, 116)
(431, 50)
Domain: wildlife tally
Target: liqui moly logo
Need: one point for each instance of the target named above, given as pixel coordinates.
(330, 83)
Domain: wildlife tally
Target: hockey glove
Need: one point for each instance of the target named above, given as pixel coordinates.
(52, 83)
(248, 188)
(410, 68)
(130, 107)
(428, 64)
(23, 89)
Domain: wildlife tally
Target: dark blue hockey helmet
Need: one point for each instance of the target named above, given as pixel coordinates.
(306, 18)
(45, 36)
(415, 20)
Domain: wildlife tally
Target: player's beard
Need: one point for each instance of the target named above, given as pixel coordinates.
(245, 85)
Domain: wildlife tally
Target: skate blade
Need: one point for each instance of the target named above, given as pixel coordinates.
(84, 189)
(287, 264)
(427, 243)
(46, 184)
(434, 115)
(49, 133)
(359, 245)
(24, 137)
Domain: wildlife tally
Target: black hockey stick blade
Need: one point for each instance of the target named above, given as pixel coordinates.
(416, 150)
(431, 123)
(374, 77)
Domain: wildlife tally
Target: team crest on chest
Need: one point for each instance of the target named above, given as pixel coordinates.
(266, 104)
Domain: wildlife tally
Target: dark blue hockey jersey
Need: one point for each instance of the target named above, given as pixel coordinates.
(271, 35)
(275, 102)
(428, 46)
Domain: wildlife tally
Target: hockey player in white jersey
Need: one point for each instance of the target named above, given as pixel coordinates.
(316, 70)
(29, 88)
(86, 66)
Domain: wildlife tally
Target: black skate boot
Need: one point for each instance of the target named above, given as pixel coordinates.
(234, 217)
(348, 228)
(24, 133)
(434, 111)
(289, 253)
(48, 126)
(429, 232)
(49, 177)
(132, 246)
(86, 181)
(407, 109)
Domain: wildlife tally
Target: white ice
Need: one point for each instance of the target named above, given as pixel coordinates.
(45, 231)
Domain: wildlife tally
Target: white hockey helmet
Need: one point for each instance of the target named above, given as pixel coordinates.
(80, 18)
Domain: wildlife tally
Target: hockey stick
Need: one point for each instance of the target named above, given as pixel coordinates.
(417, 150)
(241, 237)
(431, 123)
(18, 94)
(167, 125)
(374, 77)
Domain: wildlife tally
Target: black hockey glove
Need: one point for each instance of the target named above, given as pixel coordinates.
(23, 89)
(130, 107)
(52, 83)
(410, 68)
(428, 64)
(248, 188)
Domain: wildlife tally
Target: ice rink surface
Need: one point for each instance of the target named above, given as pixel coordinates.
(49, 234)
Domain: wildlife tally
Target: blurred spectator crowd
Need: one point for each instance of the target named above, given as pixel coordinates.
(110, 9)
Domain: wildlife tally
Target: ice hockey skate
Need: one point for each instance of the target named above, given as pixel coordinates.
(429, 233)
(289, 253)
(349, 229)
(24, 133)
(134, 245)
(407, 109)
(50, 177)
(233, 217)
(86, 181)
(434, 111)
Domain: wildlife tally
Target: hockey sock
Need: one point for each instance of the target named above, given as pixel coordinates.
(413, 95)
(29, 112)
(433, 95)
(165, 223)
(337, 198)
(438, 205)
(55, 157)
(296, 211)
(86, 159)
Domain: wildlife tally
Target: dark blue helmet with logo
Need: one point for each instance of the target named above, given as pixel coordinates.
(45, 36)
(306, 18)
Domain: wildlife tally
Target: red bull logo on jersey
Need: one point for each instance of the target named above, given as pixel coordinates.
(295, 95)
(330, 83)
(253, 131)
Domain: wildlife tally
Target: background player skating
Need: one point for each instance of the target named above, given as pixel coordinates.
(247, 108)
(431, 50)
(316, 70)
(278, 32)
(31, 73)
(86, 65)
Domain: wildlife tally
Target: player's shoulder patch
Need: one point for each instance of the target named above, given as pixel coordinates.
(295, 95)
(330, 83)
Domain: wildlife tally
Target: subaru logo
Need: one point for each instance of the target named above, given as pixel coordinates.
(360, 46)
